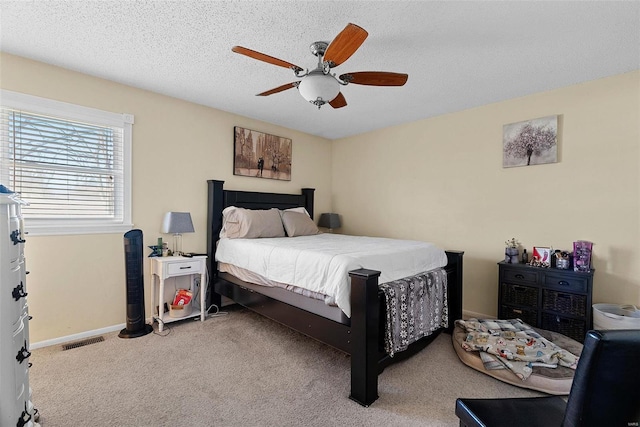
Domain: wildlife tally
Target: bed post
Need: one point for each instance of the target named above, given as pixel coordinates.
(454, 287)
(215, 205)
(365, 321)
(308, 200)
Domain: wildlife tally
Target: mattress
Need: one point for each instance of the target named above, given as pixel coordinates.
(251, 277)
(321, 263)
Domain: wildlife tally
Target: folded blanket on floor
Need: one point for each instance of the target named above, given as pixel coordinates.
(416, 307)
(514, 345)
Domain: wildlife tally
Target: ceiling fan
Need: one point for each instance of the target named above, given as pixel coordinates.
(319, 86)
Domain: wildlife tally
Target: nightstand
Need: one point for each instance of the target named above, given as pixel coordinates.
(163, 268)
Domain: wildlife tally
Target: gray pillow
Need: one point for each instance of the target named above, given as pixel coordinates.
(240, 223)
(298, 224)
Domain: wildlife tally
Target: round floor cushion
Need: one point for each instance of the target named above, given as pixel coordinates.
(548, 380)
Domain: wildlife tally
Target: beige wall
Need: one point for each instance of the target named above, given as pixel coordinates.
(441, 180)
(438, 179)
(77, 282)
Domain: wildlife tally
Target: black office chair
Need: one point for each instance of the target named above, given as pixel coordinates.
(605, 391)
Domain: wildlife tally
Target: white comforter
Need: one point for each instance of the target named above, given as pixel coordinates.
(321, 263)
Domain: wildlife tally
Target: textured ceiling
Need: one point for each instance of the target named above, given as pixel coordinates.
(458, 55)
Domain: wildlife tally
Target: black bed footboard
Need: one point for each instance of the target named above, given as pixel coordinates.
(368, 358)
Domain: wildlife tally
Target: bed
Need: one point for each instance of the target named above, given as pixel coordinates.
(359, 335)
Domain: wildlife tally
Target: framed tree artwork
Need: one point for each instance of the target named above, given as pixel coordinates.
(261, 155)
(532, 142)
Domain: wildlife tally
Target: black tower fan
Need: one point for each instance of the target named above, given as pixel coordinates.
(136, 326)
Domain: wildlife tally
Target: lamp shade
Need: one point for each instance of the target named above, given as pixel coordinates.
(319, 87)
(177, 222)
(329, 220)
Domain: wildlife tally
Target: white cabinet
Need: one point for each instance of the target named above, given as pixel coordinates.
(175, 266)
(16, 408)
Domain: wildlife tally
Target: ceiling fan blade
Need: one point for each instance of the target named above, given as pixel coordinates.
(375, 78)
(279, 89)
(344, 45)
(338, 101)
(266, 58)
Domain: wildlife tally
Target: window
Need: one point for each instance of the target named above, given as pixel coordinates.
(72, 164)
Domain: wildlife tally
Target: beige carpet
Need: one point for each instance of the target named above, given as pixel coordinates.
(243, 370)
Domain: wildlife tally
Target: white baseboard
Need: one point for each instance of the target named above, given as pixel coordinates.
(76, 337)
(466, 314)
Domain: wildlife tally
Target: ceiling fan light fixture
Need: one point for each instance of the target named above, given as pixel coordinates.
(319, 88)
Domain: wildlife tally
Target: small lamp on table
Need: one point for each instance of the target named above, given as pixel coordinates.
(177, 223)
(330, 221)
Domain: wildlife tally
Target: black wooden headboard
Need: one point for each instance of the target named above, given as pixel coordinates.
(219, 198)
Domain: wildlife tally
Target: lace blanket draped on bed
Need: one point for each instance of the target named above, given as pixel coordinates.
(416, 307)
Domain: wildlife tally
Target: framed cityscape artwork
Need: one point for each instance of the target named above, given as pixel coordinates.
(261, 155)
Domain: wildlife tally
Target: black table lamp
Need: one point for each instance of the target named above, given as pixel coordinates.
(330, 221)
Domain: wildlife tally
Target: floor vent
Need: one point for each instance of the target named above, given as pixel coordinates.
(82, 343)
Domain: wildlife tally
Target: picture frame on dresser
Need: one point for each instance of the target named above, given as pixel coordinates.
(542, 254)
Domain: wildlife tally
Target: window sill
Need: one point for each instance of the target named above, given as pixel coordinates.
(63, 230)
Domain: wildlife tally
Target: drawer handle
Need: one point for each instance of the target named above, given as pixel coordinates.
(561, 320)
(185, 268)
(519, 276)
(563, 283)
(18, 292)
(15, 237)
(23, 354)
(25, 417)
(517, 311)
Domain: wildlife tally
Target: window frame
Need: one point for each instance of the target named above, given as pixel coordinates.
(73, 112)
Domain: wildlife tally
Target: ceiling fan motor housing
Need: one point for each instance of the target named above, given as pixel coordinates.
(318, 48)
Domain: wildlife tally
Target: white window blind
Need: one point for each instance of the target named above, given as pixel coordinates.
(70, 163)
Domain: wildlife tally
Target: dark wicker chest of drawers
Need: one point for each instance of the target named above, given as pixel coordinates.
(547, 298)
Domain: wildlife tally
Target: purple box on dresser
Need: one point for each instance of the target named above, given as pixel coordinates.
(582, 255)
